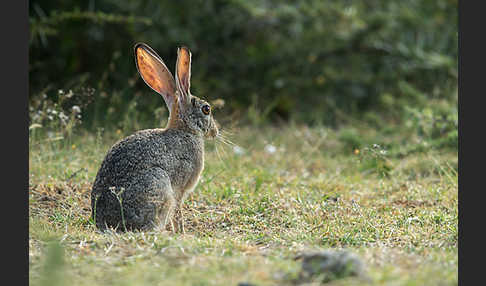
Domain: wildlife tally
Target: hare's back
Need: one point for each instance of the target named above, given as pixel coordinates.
(170, 150)
(141, 150)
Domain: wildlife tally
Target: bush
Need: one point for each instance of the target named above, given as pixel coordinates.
(436, 125)
(311, 61)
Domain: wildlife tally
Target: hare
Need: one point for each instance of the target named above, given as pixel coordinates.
(145, 177)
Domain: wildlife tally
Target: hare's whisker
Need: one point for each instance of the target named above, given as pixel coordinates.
(219, 137)
(229, 142)
(217, 152)
(219, 155)
(223, 140)
(227, 132)
(224, 152)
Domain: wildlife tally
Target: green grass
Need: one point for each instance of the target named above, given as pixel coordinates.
(252, 213)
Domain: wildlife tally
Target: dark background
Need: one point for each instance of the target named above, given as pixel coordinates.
(272, 62)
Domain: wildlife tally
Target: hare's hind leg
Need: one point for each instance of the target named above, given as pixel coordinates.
(166, 213)
(150, 202)
(163, 198)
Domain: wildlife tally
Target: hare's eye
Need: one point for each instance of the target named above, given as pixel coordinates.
(206, 109)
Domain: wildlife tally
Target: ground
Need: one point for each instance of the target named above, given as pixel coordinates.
(260, 203)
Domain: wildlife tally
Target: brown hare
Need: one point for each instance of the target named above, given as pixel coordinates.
(144, 178)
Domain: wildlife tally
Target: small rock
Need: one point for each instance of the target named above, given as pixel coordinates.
(330, 265)
(246, 284)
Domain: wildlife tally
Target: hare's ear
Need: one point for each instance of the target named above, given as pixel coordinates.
(155, 74)
(183, 72)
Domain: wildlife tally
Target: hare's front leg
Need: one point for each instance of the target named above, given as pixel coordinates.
(179, 211)
(180, 219)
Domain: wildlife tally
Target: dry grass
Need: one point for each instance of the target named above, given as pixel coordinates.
(253, 211)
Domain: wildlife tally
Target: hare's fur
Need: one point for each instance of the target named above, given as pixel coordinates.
(152, 170)
(145, 177)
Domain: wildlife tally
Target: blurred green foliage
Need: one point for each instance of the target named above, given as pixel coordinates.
(54, 264)
(310, 61)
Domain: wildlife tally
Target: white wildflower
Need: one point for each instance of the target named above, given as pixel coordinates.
(238, 150)
(69, 94)
(270, 149)
(63, 117)
(76, 109)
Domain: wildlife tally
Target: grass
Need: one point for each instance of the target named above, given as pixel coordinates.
(255, 209)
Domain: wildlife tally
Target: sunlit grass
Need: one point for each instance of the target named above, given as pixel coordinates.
(259, 203)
